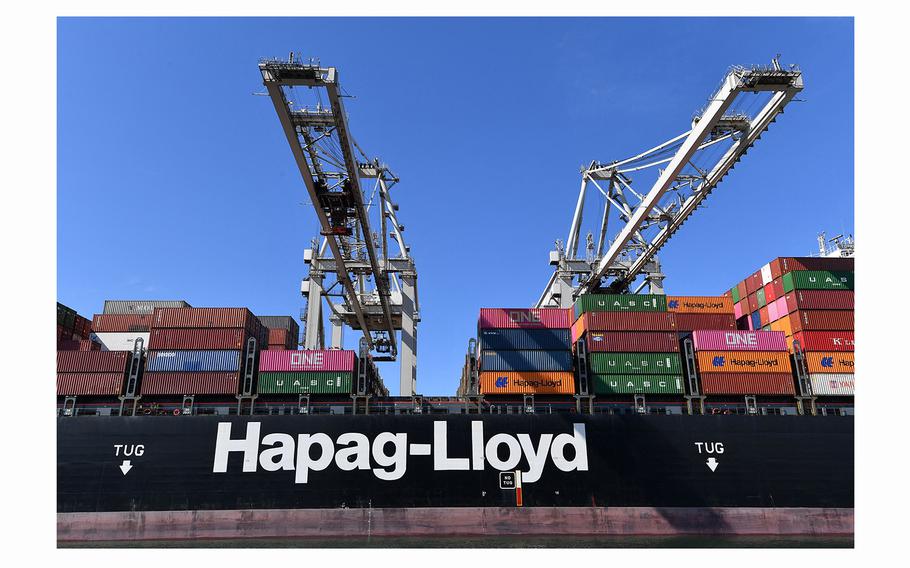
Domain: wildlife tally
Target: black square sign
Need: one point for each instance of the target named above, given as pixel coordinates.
(507, 480)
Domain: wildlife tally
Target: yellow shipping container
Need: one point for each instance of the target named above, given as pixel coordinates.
(527, 382)
(743, 361)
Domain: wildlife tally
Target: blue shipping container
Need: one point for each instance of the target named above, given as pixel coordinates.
(526, 361)
(756, 320)
(225, 361)
(514, 339)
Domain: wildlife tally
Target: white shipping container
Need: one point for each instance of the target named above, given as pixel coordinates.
(120, 340)
(766, 274)
(832, 384)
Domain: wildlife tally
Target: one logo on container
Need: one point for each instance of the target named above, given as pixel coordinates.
(524, 316)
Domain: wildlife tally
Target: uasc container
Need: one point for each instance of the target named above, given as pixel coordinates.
(637, 384)
(725, 340)
(526, 382)
(817, 280)
(620, 303)
(743, 361)
(636, 363)
(309, 382)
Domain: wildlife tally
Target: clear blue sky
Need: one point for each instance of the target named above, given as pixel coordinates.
(175, 182)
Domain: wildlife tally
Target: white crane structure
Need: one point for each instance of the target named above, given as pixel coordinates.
(374, 291)
(683, 172)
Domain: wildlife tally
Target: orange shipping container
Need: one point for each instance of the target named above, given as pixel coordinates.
(783, 324)
(504, 382)
(743, 361)
(700, 304)
(830, 362)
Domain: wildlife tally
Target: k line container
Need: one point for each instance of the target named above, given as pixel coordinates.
(724, 340)
(120, 340)
(830, 362)
(513, 339)
(140, 306)
(634, 341)
(198, 339)
(817, 280)
(121, 322)
(824, 340)
(747, 383)
(312, 382)
(177, 361)
(526, 360)
(821, 320)
(92, 361)
(186, 383)
(638, 384)
(830, 384)
(206, 317)
(691, 322)
(525, 318)
(818, 300)
(620, 303)
(624, 321)
(636, 363)
(90, 384)
(700, 304)
(782, 265)
(307, 360)
(505, 382)
(743, 361)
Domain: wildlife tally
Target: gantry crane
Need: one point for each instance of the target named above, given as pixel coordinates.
(378, 292)
(688, 167)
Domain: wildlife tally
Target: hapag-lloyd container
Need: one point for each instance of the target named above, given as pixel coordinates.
(817, 280)
(92, 361)
(824, 340)
(700, 304)
(821, 320)
(177, 361)
(308, 360)
(691, 322)
(830, 384)
(743, 361)
(636, 363)
(120, 340)
(121, 322)
(527, 382)
(513, 339)
(747, 383)
(206, 317)
(140, 306)
(830, 362)
(637, 384)
(525, 318)
(723, 340)
(526, 360)
(819, 300)
(624, 321)
(782, 265)
(620, 303)
(204, 338)
(309, 382)
(634, 342)
(186, 383)
(90, 384)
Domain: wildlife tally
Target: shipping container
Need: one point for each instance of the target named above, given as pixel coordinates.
(282, 337)
(691, 322)
(700, 305)
(782, 265)
(743, 361)
(747, 383)
(755, 320)
(830, 384)
(738, 311)
(636, 363)
(782, 325)
(723, 340)
(90, 384)
(624, 321)
(753, 282)
(312, 382)
(632, 342)
(140, 306)
(64, 314)
(741, 287)
(526, 360)
(760, 299)
(121, 322)
(818, 300)
(525, 318)
(817, 280)
(823, 340)
(770, 294)
(68, 345)
(280, 322)
(734, 293)
(187, 383)
(528, 382)
(743, 323)
(184, 361)
(92, 361)
(620, 303)
(830, 362)
(207, 317)
(766, 274)
(637, 384)
(772, 311)
(513, 339)
(120, 340)
(197, 339)
(307, 360)
(821, 320)
(763, 316)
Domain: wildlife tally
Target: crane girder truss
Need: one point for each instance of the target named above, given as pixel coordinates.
(327, 157)
(688, 167)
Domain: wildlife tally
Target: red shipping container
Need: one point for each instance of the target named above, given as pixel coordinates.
(121, 322)
(184, 383)
(821, 320)
(728, 294)
(747, 383)
(525, 318)
(770, 293)
(752, 299)
(92, 361)
(763, 316)
(819, 300)
(207, 318)
(754, 282)
(632, 342)
(778, 285)
(89, 384)
(89, 345)
(691, 322)
(282, 337)
(198, 339)
(825, 340)
(624, 321)
(67, 345)
(741, 288)
(783, 265)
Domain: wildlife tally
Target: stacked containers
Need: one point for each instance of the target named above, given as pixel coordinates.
(197, 351)
(119, 332)
(71, 326)
(525, 351)
(293, 372)
(743, 362)
(91, 373)
(631, 342)
(283, 332)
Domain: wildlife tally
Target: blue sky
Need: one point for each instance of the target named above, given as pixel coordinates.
(175, 182)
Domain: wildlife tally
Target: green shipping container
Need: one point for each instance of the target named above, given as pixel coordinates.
(817, 280)
(620, 303)
(760, 296)
(305, 383)
(638, 384)
(636, 363)
(734, 291)
(766, 328)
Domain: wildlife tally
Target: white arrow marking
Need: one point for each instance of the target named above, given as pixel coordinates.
(125, 467)
(712, 463)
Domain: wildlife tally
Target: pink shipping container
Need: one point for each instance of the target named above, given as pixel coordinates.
(92, 361)
(326, 360)
(722, 340)
(89, 384)
(197, 339)
(207, 317)
(195, 382)
(738, 310)
(525, 318)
